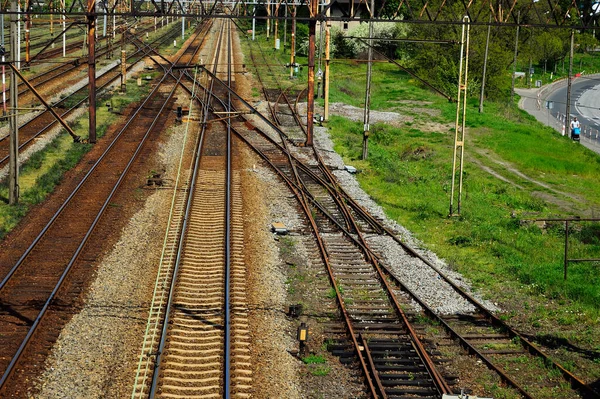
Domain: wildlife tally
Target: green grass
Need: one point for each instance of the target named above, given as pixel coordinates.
(314, 359)
(586, 63)
(409, 173)
(39, 175)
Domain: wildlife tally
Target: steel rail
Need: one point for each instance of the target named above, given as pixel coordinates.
(370, 255)
(46, 76)
(169, 272)
(300, 194)
(168, 304)
(63, 206)
(469, 347)
(106, 204)
(496, 321)
(372, 365)
(529, 346)
(578, 384)
(581, 387)
(439, 381)
(227, 346)
(74, 63)
(325, 257)
(73, 108)
(283, 147)
(575, 381)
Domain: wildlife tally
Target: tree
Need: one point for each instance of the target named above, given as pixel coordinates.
(549, 48)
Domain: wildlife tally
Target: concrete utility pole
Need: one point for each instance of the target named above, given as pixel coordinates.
(4, 110)
(18, 59)
(293, 45)
(326, 77)
(64, 27)
(367, 113)
(253, 22)
(13, 168)
(310, 112)
(2, 30)
(27, 32)
(268, 20)
(285, 25)
(182, 28)
(91, 20)
(123, 62)
(276, 30)
(569, 83)
(52, 21)
(487, 46)
(105, 19)
(512, 89)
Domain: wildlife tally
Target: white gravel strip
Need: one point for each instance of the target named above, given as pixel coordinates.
(415, 274)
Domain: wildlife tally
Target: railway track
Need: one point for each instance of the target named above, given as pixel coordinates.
(378, 330)
(40, 287)
(340, 224)
(198, 324)
(44, 82)
(44, 121)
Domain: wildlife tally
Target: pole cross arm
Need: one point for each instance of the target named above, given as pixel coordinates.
(76, 138)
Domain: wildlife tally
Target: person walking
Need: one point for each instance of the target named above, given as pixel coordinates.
(575, 129)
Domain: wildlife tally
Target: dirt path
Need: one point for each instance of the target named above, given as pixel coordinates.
(510, 174)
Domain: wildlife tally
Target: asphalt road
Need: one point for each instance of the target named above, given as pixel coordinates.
(585, 105)
(585, 100)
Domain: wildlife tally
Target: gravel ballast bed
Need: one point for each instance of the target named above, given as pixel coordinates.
(97, 352)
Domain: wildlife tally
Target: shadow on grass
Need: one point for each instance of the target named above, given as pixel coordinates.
(553, 342)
